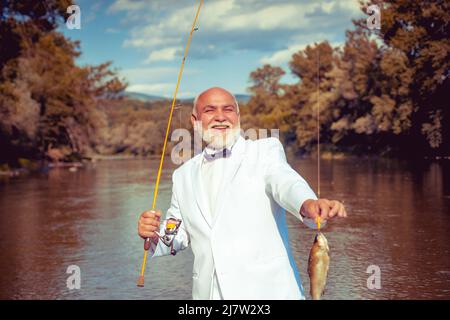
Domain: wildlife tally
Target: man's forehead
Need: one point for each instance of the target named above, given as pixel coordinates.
(216, 98)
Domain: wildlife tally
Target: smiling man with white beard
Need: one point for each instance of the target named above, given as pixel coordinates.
(232, 199)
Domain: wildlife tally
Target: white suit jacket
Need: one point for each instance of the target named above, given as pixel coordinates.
(247, 242)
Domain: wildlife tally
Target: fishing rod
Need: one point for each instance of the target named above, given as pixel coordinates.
(147, 244)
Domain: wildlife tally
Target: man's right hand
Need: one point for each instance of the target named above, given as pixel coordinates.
(149, 223)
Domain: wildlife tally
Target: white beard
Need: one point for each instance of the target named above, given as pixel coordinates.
(218, 140)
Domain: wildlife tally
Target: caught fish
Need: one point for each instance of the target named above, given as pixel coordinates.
(318, 264)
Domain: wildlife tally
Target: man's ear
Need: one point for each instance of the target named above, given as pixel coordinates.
(193, 119)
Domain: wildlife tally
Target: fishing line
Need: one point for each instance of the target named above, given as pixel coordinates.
(147, 244)
(318, 133)
(318, 123)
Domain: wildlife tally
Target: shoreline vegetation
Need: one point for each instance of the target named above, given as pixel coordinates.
(383, 93)
(30, 166)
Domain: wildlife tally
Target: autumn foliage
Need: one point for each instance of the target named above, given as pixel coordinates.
(381, 92)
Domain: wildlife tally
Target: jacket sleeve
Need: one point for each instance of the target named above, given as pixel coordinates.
(286, 186)
(182, 238)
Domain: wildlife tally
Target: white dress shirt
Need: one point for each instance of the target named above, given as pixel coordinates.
(212, 168)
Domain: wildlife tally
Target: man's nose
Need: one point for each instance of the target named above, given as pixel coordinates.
(219, 116)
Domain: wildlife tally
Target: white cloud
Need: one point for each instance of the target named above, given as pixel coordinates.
(274, 17)
(151, 88)
(282, 56)
(142, 75)
(92, 12)
(285, 55)
(154, 74)
(297, 43)
(159, 89)
(127, 5)
(218, 17)
(166, 54)
(351, 6)
(161, 27)
(112, 30)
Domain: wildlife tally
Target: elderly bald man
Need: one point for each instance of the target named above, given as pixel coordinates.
(232, 199)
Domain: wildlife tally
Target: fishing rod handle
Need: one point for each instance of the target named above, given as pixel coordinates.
(147, 244)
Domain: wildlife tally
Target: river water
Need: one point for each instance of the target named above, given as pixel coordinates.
(399, 222)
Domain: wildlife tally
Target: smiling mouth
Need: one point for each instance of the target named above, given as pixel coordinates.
(221, 127)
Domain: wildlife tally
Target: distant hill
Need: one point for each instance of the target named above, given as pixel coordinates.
(243, 97)
(143, 97)
(146, 97)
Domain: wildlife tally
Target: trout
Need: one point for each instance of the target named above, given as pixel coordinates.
(318, 263)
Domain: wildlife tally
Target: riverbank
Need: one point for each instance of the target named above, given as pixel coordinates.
(28, 166)
(36, 167)
(31, 166)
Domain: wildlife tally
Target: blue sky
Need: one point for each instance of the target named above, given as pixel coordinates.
(145, 39)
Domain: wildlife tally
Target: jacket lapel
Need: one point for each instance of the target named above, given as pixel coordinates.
(199, 191)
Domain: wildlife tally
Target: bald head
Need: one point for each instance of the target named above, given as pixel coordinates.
(213, 95)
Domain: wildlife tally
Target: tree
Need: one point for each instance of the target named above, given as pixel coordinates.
(419, 30)
(46, 100)
(265, 109)
(312, 65)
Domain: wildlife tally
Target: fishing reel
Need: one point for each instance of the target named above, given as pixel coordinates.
(170, 231)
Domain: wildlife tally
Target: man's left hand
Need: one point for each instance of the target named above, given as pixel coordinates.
(326, 209)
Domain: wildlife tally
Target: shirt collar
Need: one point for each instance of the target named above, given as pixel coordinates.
(211, 154)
